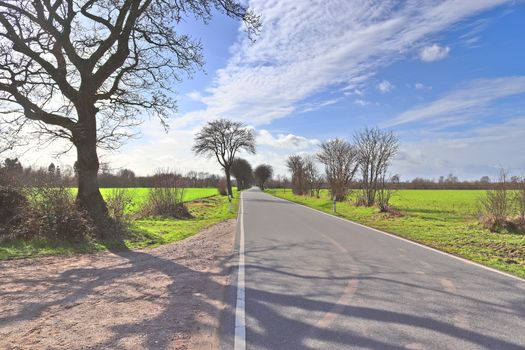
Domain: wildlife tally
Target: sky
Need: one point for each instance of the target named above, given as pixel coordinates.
(447, 77)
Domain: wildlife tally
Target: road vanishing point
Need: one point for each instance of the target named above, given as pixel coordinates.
(309, 280)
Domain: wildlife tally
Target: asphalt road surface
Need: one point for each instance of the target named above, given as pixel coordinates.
(313, 281)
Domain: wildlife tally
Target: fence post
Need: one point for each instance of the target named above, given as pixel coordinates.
(335, 203)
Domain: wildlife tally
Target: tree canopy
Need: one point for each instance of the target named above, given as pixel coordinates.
(223, 139)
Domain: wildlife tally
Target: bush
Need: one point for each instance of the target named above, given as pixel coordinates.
(519, 201)
(12, 205)
(12, 202)
(52, 213)
(166, 199)
(496, 208)
(222, 187)
(119, 203)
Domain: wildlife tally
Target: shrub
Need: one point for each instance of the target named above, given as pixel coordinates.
(119, 203)
(52, 213)
(222, 187)
(166, 198)
(12, 205)
(12, 201)
(495, 206)
(519, 201)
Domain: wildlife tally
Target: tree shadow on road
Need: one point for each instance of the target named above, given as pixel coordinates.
(141, 297)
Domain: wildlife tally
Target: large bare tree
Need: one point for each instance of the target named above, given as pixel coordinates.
(223, 139)
(340, 161)
(376, 149)
(87, 70)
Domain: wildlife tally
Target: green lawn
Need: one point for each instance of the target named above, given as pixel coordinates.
(443, 219)
(205, 205)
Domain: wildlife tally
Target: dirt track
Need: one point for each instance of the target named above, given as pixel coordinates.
(164, 298)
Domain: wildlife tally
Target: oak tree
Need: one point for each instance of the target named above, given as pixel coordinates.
(88, 70)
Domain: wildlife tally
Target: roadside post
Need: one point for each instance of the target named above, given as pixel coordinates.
(230, 203)
(335, 203)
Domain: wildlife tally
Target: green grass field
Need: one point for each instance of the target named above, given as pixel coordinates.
(204, 204)
(139, 195)
(443, 219)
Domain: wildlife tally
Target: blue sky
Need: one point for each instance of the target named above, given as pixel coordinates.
(448, 77)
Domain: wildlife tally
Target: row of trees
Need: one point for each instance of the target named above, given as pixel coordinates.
(12, 171)
(369, 156)
(452, 182)
(246, 177)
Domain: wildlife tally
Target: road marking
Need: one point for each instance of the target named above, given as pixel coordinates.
(240, 315)
(409, 241)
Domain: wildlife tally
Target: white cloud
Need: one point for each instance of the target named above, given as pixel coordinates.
(385, 86)
(467, 154)
(285, 141)
(361, 102)
(312, 106)
(306, 47)
(194, 95)
(158, 149)
(419, 86)
(462, 103)
(433, 53)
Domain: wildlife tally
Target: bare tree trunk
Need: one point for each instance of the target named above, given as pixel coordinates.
(228, 182)
(89, 197)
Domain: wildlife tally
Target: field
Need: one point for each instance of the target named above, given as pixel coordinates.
(139, 194)
(443, 219)
(206, 206)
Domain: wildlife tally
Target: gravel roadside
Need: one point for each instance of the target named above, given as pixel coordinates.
(168, 297)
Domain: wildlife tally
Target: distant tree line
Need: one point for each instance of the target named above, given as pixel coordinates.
(452, 182)
(418, 183)
(12, 171)
(243, 174)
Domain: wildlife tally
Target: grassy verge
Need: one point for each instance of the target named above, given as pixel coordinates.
(442, 219)
(149, 232)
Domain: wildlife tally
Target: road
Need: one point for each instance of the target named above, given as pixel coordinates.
(313, 281)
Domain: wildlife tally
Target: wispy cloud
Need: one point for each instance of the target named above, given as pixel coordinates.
(433, 53)
(305, 47)
(421, 86)
(312, 106)
(361, 102)
(462, 103)
(385, 86)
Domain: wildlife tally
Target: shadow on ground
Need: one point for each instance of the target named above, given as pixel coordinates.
(147, 299)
